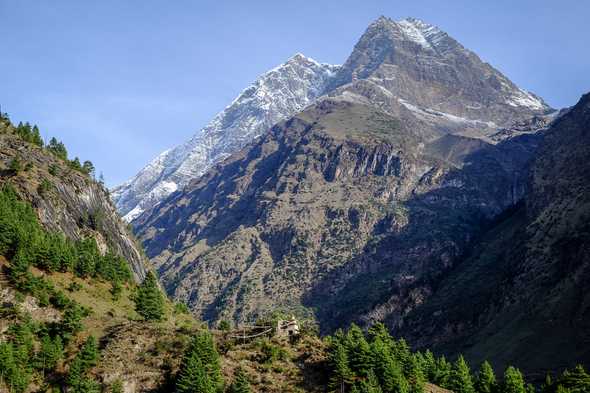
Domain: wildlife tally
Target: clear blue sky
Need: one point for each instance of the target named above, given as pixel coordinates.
(119, 81)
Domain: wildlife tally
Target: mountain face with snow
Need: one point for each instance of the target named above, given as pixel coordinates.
(420, 67)
(354, 207)
(274, 96)
(363, 206)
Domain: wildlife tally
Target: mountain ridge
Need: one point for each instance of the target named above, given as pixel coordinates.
(274, 96)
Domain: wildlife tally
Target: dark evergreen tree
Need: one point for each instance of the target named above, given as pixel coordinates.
(513, 381)
(369, 384)
(149, 301)
(548, 386)
(240, 383)
(193, 376)
(36, 136)
(75, 164)
(71, 321)
(50, 353)
(393, 379)
(89, 353)
(88, 167)
(429, 366)
(204, 346)
(460, 380)
(576, 381)
(359, 352)
(58, 148)
(341, 373)
(485, 381)
(414, 375)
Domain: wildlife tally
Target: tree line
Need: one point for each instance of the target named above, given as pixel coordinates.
(31, 134)
(377, 363)
(26, 243)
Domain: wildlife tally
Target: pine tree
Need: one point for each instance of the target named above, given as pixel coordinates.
(387, 369)
(379, 331)
(486, 379)
(576, 381)
(369, 384)
(204, 346)
(36, 136)
(460, 379)
(149, 301)
(513, 381)
(429, 366)
(414, 375)
(193, 377)
(50, 353)
(393, 378)
(443, 373)
(341, 373)
(57, 148)
(89, 353)
(88, 167)
(71, 322)
(240, 383)
(359, 352)
(548, 386)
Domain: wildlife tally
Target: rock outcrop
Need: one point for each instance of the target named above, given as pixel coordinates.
(66, 200)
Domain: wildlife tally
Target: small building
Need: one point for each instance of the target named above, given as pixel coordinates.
(287, 327)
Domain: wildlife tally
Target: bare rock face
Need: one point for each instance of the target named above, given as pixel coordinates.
(274, 96)
(72, 203)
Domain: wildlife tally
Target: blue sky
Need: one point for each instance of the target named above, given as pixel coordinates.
(120, 81)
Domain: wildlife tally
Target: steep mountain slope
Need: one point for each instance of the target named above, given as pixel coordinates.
(66, 200)
(274, 96)
(377, 181)
(521, 293)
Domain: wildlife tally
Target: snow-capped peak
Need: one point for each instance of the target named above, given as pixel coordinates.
(272, 97)
(424, 34)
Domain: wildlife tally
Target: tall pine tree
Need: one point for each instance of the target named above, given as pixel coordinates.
(149, 301)
(460, 379)
(486, 379)
(240, 383)
(341, 373)
(513, 381)
(193, 376)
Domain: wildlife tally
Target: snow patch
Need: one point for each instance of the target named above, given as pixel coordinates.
(427, 112)
(526, 99)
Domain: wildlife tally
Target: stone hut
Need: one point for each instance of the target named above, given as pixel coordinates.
(287, 327)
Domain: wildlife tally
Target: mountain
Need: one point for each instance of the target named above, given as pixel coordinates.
(274, 96)
(356, 207)
(520, 291)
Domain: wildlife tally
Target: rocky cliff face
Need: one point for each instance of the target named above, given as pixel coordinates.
(274, 96)
(520, 291)
(67, 200)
